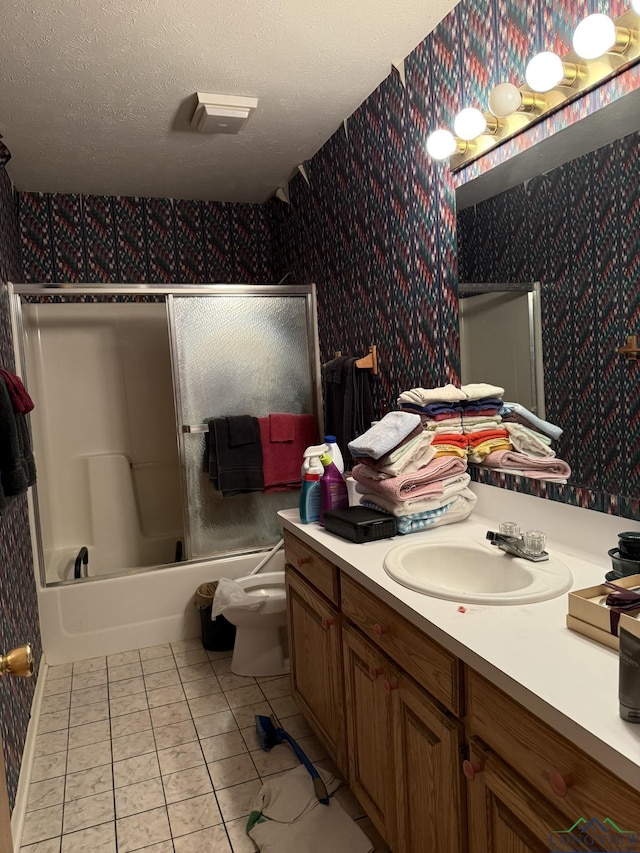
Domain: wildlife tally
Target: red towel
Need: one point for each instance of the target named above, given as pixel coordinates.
(282, 427)
(21, 402)
(282, 459)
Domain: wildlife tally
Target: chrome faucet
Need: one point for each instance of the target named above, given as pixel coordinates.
(516, 545)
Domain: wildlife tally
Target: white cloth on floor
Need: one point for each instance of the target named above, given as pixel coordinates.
(291, 819)
(385, 435)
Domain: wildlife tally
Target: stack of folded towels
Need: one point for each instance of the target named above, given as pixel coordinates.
(403, 469)
(474, 423)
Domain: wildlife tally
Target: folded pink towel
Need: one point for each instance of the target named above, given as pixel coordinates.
(282, 427)
(530, 466)
(424, 481)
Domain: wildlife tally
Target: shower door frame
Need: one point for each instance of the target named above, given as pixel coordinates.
(17, 291)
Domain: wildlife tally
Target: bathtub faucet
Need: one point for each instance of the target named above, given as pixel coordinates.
(81, 559)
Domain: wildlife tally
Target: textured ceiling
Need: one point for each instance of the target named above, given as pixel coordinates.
(96, 97)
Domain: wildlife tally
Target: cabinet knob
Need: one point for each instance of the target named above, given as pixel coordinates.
(379, 629)
(327, 623)
(303, 560)
(374, 672)
(559, 783)
(389, 686)
(470, 768)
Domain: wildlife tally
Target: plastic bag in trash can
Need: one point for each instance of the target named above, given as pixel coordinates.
(231, 594)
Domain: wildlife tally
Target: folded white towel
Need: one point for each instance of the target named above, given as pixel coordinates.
(478, 390)
(423, 396)
(528, 441)
(464, 498)
(385, 435)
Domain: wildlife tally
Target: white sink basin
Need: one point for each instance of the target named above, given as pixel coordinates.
(476, 572)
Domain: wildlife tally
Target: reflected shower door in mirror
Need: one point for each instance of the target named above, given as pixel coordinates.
(576, 229)
(501, 340)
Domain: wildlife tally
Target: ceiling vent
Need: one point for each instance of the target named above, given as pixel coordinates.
(221, 113)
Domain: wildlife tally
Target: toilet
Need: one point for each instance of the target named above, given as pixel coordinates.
(261, 646)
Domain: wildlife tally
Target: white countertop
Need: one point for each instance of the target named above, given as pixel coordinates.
(569, 681)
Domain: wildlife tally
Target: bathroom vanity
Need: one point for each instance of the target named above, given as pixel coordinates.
(479, 728)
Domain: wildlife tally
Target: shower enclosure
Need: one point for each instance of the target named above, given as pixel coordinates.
(124, 379)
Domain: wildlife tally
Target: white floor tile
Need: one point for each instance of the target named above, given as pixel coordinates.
(186, 645)
(42, 824)
(122, 673)
(158, 664)
(223, 746)
(51, 742)
(175, 734)
(88, 695)
(186, 784)
(137, 769)
(123, 658)
(97, 839)
(57, 685)
(202, 706)
(240, 697)
(49, 766)
(246, 716)
(165, 696)
(82, 715)
(215, 724)
(276, 688)
(194, 814)
(213, 840)
(128, 704)
(53, 722)
(128, 746)
(85, 757)
(237, 801)
(126, 687)
(165, 715)
(53, 704)
(142, 829)
(195, 672)
(202, 687)
(140, 797)
(63, 670)
(89, 679)
(89, 733)
(160, 680)
(96, 780)
(180, 758)
(49, 792)
(129, 724)
(52, 845)
(89, 665)
(191, 657)
(155, 652)
(232, 771)
(88, 811)
(229, 681)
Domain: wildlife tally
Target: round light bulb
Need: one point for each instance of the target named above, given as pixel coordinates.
(504, 100)
(469, 123)
(544, 71)
(441, 144)
(635, 5)
(595, 35)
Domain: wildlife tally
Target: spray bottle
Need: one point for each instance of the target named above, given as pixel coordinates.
(312, 470)
(334, 452)
(333, 489)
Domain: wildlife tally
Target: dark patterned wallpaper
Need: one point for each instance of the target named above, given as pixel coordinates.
(18, 602)
(74, 238)
(375, 226)
(576, 229)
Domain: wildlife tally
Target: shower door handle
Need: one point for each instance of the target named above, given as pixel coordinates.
(187, 428)
(18, 661)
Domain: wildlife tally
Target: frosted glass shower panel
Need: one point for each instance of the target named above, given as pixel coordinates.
(237, 355)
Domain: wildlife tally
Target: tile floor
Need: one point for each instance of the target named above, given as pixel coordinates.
(155, 750)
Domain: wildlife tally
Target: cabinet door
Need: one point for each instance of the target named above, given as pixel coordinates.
(368, 682)
(506, 815)
(316, 663)
(430, 811)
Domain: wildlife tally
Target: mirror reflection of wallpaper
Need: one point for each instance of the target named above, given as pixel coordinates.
(576, 229)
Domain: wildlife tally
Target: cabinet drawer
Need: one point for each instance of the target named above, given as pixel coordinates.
(438, 671)
(567, 777)
(320, 573)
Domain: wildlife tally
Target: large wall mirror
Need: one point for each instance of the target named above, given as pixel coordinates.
(566, 213)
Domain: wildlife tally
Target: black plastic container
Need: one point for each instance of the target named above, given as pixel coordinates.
(218, 635)
(360, 524)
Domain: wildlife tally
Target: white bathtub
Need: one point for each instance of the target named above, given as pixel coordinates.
(103, 616)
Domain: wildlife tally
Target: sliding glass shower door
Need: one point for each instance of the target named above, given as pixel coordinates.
(247, 351)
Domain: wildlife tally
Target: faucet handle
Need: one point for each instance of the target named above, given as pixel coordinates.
(510, 528)
(534, 542)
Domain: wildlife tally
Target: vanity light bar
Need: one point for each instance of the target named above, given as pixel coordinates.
(574, 75)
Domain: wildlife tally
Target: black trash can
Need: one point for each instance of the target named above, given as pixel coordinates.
(218, 635)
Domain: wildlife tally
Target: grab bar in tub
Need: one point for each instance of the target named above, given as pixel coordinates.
(82, 558)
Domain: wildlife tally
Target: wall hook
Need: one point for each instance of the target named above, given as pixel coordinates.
(630, 349)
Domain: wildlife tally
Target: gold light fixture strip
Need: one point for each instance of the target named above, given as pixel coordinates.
(580, 76)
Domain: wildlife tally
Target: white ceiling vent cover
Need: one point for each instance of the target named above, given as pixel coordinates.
(222, 113)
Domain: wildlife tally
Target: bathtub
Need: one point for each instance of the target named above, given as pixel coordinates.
(102, 616)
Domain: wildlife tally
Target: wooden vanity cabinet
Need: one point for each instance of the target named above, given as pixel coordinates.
(504, 813)
(395, 727)
(315, 648)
